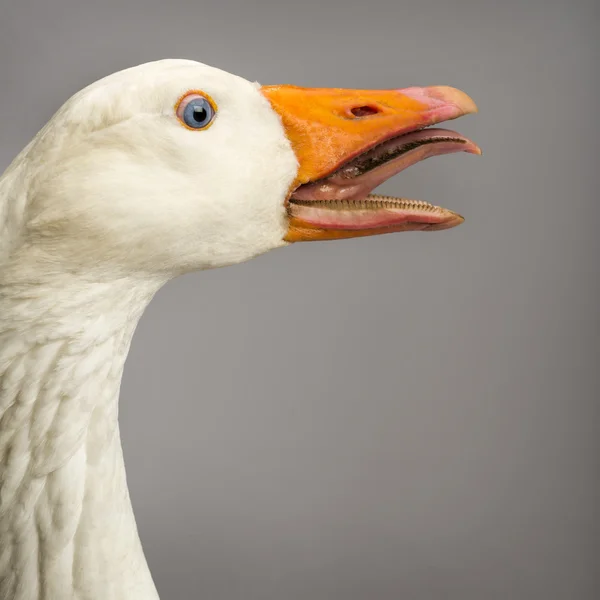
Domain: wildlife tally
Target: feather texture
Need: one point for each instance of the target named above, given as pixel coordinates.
(65, 518)
(109, 201)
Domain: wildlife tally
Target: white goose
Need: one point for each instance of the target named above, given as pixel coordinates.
(158, 170)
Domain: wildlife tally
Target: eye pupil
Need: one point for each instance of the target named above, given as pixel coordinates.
(197, 113)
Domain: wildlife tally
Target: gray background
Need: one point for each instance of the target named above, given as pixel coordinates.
(407, 416)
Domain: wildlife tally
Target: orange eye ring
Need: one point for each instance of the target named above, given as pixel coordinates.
(196, 110)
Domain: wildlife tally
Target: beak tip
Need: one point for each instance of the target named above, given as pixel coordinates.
(454, 222)
(454, 96)
(455, 219)
(469, 104)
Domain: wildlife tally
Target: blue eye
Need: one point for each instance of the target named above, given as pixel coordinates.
(196, 112)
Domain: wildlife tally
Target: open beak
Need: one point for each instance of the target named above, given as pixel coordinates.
(348, 142)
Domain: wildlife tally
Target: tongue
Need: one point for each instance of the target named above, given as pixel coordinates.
(356, 179)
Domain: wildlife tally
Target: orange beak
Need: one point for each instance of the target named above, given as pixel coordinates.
(330, 129)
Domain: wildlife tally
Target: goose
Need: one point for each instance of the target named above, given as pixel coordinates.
(158, 170)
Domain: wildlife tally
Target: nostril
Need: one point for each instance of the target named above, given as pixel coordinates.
(364, 111)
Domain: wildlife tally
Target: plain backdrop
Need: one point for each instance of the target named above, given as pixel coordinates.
(413, 416)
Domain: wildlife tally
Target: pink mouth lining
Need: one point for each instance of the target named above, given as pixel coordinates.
(356, 179)
(343, 201)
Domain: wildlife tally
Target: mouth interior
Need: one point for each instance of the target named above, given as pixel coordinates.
(343, 200)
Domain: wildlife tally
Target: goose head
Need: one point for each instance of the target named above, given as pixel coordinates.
(155, 171)
(175, 166)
